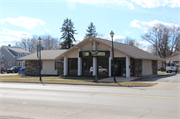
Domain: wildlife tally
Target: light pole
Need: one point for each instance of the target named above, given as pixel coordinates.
(39, 48)
(112, 34)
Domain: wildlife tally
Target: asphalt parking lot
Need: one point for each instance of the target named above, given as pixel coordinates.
(172, 78)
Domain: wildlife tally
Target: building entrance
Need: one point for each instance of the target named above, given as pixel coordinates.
(120, 66)
(87, 66)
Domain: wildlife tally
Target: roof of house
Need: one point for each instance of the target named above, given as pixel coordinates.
(176, 53)
(14, 50)
(18, 49)
(132, 51)
(45, 55)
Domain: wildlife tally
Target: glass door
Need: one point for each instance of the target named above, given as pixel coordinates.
(87, 66)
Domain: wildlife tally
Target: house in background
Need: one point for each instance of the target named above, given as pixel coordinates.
(9, 55)
(173, 58)
(93, 56)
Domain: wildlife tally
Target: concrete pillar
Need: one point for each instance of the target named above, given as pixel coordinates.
(94, 66)
(65, 65)
(110, 58)
(94, 60)
(94, 45)
(127, 66)
(79, 64)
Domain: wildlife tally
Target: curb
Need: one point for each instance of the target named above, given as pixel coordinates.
(118, 85)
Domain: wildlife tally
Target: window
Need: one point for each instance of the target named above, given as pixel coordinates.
(103, 66)
(73, 66)
(9, 63)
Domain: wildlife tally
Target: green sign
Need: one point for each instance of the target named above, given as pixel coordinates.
(96, 53)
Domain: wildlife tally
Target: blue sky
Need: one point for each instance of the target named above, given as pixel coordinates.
(25, 18)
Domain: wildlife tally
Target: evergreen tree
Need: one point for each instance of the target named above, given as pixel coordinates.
(68, 32)
(91, 31)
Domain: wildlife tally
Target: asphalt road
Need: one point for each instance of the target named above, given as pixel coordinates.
(52, 101)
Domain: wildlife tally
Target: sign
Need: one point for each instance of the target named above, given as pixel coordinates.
(85, 54)
(94, 53)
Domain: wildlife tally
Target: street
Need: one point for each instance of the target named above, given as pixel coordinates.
(57, 101)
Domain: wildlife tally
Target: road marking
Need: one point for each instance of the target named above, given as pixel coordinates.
(24, 102)
(141, 95)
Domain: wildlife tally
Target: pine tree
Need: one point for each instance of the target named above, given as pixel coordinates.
(68, 32)
(91, 31)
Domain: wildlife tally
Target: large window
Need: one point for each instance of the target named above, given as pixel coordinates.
(87, 66)
(73, 66)
(103, 66)
(120, 66)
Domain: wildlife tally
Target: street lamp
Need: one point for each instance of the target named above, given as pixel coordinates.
(39, 48)
(112, 34)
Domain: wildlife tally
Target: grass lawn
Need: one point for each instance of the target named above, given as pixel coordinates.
(68, 80)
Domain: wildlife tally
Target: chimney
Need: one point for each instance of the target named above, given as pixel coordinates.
(9, 45)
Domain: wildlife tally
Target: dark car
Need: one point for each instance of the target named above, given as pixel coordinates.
(14, 69)
(21, 71)
(2, 70)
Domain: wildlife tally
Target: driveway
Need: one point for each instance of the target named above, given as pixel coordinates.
(5, 74)
(171, 78)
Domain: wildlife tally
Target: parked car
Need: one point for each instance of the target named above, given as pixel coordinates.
(101, 70)
(2, 70)
(172, 67)
(21, 71)
(14, 69)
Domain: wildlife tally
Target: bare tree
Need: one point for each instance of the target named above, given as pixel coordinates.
(130, 41)
(164, 39)
(50, 43)
(28, 44)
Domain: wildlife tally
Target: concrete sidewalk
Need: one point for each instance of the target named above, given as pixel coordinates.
(119, 79)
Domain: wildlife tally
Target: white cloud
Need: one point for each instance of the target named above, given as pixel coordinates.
(143, 43)
(19, 34)
(157, 3)
(106, 3)
(9, 39)
(145, 25)
(25, 22)
(12, 36)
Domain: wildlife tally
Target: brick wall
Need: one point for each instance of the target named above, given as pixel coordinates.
(32, 67)
(154, 67)
(138, 67)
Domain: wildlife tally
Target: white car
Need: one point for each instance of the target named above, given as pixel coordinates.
(172, 67)
(102, 70)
